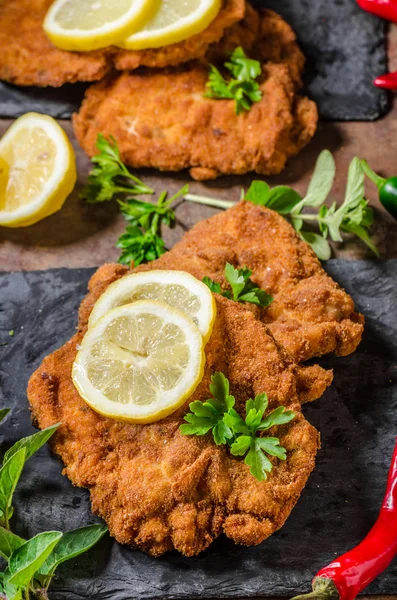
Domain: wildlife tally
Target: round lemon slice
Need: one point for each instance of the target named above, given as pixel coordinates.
(139, 362)
(92, 24)
(176, 288)
(39, 170)
(173, 22)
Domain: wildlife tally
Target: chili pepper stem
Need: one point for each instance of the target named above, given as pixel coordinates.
(323, 589)
(374, 177)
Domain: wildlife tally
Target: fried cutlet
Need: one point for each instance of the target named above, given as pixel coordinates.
(160, 490)
(28, 57)
(142, 110)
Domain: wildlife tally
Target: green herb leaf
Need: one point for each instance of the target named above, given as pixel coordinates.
(28, 558)
(3, 413)
(244, 289)
(110, 176)
(271, 445)
(12, 592)
(9, 477)
(32, 443)
(212, 285)
(320, 245)
(259, 464)
(279, 416)
(242, 67)
(71, 545)
(138, 247)
(322, 180)
(243, 88)
(9, 542)
(241, 446)
(208, 416)
(258, 193)
(235, 423)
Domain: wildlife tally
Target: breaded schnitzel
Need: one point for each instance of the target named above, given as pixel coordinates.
(158, 489)
(143, 111)
(28, 57)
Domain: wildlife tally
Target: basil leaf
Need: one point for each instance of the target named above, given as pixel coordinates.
(320, 245)
(3, 413)
(9, 477)
(71, 545)
(9, 542)
(29, 557)
(12, 592)
(283, 199)
(322, 180)
(258, 193)
(32, 443)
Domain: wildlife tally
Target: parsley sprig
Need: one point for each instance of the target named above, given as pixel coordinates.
(31, 564)
(243, 436)
(353, 216)
(142, 241)
(110, 176)
(111, 180)
(243, 88)
(243, 289)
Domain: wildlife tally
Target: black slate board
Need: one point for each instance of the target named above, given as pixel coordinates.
(345, 49)
(356, 417)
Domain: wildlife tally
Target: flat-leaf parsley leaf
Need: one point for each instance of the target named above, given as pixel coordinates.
(243, 289)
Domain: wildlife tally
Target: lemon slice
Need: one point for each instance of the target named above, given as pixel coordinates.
(139, 362)
(176, 288)
(93, 24)
(40, 170)
(173, 22)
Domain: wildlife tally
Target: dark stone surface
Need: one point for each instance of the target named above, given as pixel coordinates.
(356, 418)
(345, 48)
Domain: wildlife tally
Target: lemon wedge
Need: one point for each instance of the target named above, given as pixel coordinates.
(39, 171)
(173, 22)
(175, 288)
(139, 362)
(92, 24)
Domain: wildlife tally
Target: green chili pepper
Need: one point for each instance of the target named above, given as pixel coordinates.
(387, 189)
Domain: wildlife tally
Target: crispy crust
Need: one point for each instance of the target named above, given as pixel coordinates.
(160, 490)
(28, 57)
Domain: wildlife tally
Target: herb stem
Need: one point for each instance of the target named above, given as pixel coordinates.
(210, 201)
(374, 177)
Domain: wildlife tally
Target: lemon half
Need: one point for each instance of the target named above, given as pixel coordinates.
(92, 24)
(173, 22)
(139, 362)
(176, 288)
(39, 170)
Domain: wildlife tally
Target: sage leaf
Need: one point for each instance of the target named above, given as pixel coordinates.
(71, 545)
(9, 477)
(9, 542)
(3, 413)
(29, 557)
(32, 443)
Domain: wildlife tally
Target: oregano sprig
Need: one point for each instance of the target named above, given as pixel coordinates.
(218, 415)
(353, 216)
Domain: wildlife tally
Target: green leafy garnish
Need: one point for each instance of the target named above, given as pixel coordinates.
(32, 563)
(3, 413)
(243, 88)
(243, 289)
(353, 216)
(110, 177)
(142, 242)
(219, 416)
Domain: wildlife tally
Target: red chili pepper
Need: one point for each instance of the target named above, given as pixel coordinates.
(388, 81)
(348, 575)
(386, 9)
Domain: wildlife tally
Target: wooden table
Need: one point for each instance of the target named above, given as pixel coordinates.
(83, 235)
